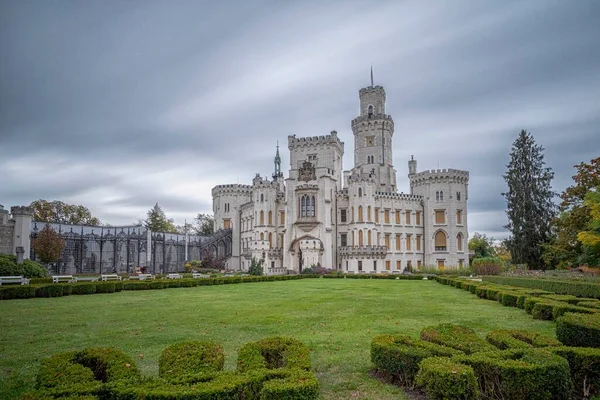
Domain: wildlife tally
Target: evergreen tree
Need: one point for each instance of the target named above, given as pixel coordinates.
(157, 221)
(529, 201)
(255, 267)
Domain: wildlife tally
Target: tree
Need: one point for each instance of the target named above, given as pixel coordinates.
(482, 246)
(157, 221)
(255, 267)
(566, 250)
(62, 213)
(530, 209)
(203, 225)
(590, 238)
(48, 245)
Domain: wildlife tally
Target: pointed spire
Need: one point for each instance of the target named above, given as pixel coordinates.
(371, 76)
(277, 160)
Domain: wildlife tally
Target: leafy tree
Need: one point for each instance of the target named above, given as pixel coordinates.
(529, 201)
(48, 245)
(566, 250)
(502, 252)
(255, 267)
(157, 221)
(62, 213)
(482, 246)
(590, 238)
(203, 225)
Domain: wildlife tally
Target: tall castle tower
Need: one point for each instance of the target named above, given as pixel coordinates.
(373, 131)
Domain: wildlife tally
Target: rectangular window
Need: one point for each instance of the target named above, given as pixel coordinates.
(440, 217)
(419, 264)
(398, 265)
(418, 242)
(407, 217)
(460, 263)
(227, 223)
(409, 265)
(272, 264)
(360, 265)
(374, 265)
(387, 241)
(440, 264)
(408, 243)
(343, 216)
(418, 218)
(398, 242)
(386, 216)
(458, 217)
(387, 265)
(398, 217)
(377, 215)
(343, 239)
(282, 218)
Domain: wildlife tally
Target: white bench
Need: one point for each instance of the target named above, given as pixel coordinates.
(62, 278)
(111, 277)
(199, 275)
(141, 277)
(14, 279)
(174, 276)
(86, 279)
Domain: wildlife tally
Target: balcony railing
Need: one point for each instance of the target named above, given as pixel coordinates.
(363, 251)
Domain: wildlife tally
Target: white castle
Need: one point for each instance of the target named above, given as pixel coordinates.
(353, 221)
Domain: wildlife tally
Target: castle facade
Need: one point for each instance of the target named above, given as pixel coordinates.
(354, 221)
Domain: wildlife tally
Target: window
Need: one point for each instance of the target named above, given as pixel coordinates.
(343, 216)
(352, 213)
(408, 242)
(359, 192)
(459, 242)
(369, 213)
(378, 238)
(343, 239)
(369, 237)
(418, 242)
(270, 217)
(376, 214)
(312, 157)
(440, 264)
(458, 196)
(440, 217)
(419, 264)
(398, 242)
(418, 218)
(387, 265)
(441, 196)
(272, 264)
(409, 265)
(262, 197)
(282, 218)
(360, 214)
(360, 238)
(407, 213)
(270, 240)
(387, 241)
(374, 265)
(370, 140)
(360, 265)
(226, 223)
(307, 206)
(440, 241)
(262, 236)
(398, 265)
(262, 217)
(458, 217)
(397, 216)
(370, 159)
(370, 111)
(386, 216)
(461, 263)
(437, 196)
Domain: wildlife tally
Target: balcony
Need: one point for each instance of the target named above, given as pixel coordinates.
(362, 251)
(307, 224)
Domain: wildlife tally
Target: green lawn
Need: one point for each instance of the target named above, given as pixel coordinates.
(337, 318)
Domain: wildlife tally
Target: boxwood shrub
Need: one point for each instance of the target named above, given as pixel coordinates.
(589, 304)
(561, 309)
(519, 339)
(52, 290)
(273, 353)
(105, 287)
(584, 363)
(579, 289)
(580, 330)
(17, 292)
(83, 288)
(191, 357)
(567, 298)
(442, 378)
(457, 337)
(399, 356)
(543, 309)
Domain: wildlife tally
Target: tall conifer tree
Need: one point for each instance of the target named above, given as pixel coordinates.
(529, 204)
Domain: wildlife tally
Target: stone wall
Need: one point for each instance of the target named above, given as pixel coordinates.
(7, 229)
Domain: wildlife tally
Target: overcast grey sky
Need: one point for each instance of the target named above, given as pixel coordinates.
(117, 105)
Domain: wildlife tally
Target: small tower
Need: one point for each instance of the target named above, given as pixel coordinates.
(277, 175)
(412, 166)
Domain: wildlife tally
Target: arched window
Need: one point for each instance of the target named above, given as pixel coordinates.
(262, 197)
(352, 214)
(437, 196)
(369, 237)
(270, 217)
(262, 217)
(369, 213)
(370, 111)
(262, 236)
(360, 214)
(303, 206)
(360, 238)
(441, 196)
(270, 240)
(440, 241)
(458, 196)
(459, 242)
(311, 209)
(359, 192)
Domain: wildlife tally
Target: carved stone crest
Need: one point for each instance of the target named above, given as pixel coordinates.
(307, 172)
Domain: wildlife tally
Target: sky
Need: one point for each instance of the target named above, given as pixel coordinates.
(118, 105)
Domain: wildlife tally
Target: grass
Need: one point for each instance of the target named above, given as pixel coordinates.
(337, 318)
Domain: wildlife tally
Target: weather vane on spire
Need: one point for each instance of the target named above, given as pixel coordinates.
(371, 76)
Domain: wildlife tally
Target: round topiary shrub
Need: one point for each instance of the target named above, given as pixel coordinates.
(443, 379)
(581, 330)
(274, 353)
(191, 357)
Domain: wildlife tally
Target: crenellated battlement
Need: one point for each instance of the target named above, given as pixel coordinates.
(264, 183)
(21, 210)
(375, 119)
(398, 196)
(372, 89)
(332, 138)
(232, 189)
(439, 175)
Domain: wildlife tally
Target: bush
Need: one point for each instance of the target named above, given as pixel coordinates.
(534, 374)
(105, 287)
(567, 298)
(52, 290)
(399, 356)
(135, 285)
(83, 288)
(487, 266)
(580, 330)
(273, 353)
(29, 268)
(584, 363)
(457, 337)
(589, 304)
(295, 384)
(543, 309)
(509, 299)
(444, 379)
(17, 292)
(579, 289)
(560, 309)
(191, 358)
(517, 339)
(530, 302)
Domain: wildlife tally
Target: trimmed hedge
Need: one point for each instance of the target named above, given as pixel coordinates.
(580, 330)
(567, 298)
(560, 309)
(543, 309)
(457, 337)
(518, 339)
(590, 304)
(191, 358)
(584, 363)
(274, 353)
(579, 289)
(443, 379)
(17, 292)
(399, 356)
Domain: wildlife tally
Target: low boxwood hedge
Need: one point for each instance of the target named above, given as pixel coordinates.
(560, 309)
(519, 339)
(579, 289)
(457, 337)
(441, 378)
(543, 309)
(191, 357)
(83, 288)
(584, 363)
(579, 330)
(567, 298)
(595, 304)
(273, 353)
(17, 292)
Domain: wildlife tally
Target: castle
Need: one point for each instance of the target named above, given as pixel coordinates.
(353, 221)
